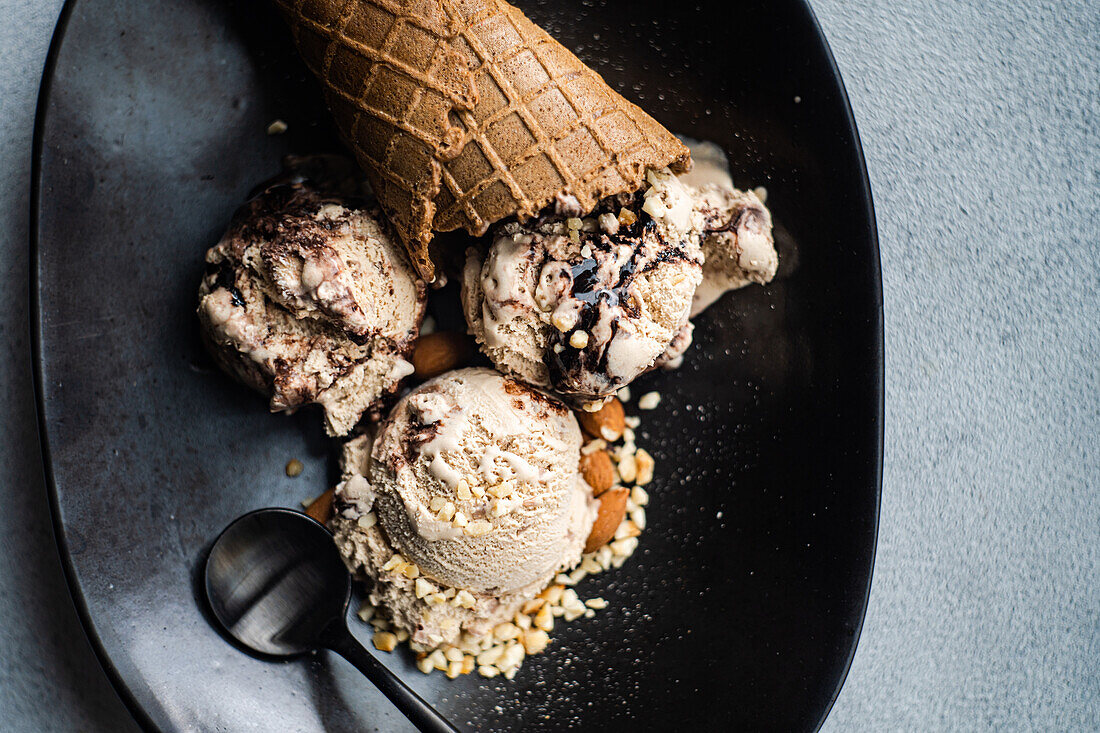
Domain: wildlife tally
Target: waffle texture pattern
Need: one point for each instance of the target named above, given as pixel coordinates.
(464, 112)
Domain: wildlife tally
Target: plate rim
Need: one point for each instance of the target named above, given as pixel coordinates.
(118, 682)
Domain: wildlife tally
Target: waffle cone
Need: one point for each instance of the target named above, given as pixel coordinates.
(464, 112)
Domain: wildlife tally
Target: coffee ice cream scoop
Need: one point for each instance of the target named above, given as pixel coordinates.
(473, 480)
(582, 306)
(308, 300)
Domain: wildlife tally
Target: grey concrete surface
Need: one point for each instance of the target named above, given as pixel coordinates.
(981, 128)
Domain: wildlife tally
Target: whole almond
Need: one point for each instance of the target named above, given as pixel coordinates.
(608, 422)
(439, 352)
(321, 508)
(598, 471)
(610, 516)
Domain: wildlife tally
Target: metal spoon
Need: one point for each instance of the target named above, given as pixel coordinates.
(276, 583)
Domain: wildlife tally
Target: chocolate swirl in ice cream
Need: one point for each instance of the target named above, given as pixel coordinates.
(737, 228)
(582, 306)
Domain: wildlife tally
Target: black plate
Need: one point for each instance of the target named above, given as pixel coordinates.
(742, 608)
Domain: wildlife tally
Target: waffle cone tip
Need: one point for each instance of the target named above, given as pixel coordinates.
(464, 112)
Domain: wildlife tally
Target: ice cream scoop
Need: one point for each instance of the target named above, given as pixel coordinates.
(307, 299)
(583, 305)
(467, 503)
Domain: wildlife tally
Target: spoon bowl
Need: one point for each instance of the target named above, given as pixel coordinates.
(276, 583)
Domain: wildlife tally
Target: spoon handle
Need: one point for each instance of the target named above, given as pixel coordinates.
(339, 639)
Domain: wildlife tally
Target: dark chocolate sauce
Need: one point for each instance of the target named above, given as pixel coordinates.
(227, 279)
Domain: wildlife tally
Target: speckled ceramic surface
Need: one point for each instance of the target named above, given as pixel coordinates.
(743, 604)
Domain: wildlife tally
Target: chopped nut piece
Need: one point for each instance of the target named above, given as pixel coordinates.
(436, 503)
(645, 465)
(423, 588)
(502, 490)
(384, 641)
(463, 490)
(367, 521)
(596, 603)
(479, 527)
(544, 619)
(623, 395)
(590, 566)
(477, 490)
(609, 223)
(425, 665)
(649, 400)
(490, 655)
(625, 547)
(464, 599)
(294, 468)
(533, 605)
(454, 669)
(277, 127)
(628, 468)
(564, 320)
(512, 656)
(535, 641)
(639, 495)
(593, 446)
(627, 529)
(486, 671)
(393, 562)
(452, 654)
(627, 217)
(553, 594)
(570, 599)
(579, 339)
(447, 513)
(505, 631)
